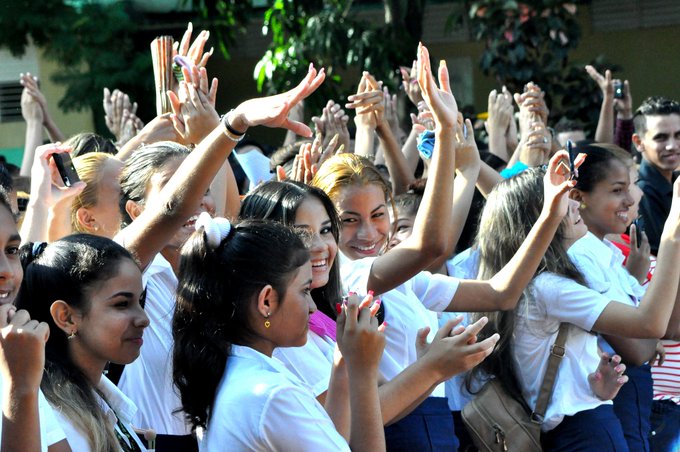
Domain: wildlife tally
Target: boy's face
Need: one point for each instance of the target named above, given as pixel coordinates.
(660, 144)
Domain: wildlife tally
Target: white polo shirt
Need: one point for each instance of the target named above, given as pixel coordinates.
(261, 406)
(550, 300)
(116, 406)
(312, 363)
(147, 381)
(408, 308)
(601, 263)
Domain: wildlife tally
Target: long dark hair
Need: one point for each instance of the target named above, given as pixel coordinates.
(510, 212)
(66, 270)
(279, 201)
(216, 288)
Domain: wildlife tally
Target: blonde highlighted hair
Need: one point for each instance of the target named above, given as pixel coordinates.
(89, 168)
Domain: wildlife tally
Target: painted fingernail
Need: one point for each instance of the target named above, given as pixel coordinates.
(351, 293)
(338, 308)
(370, 292)
(378, 301)
(385, 324)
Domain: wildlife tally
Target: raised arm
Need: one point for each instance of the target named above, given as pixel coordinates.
(430, 229)
(605, 124)
(503, 290)
(180, 197)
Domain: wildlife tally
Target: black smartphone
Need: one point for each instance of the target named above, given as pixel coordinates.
(638, 231)
(66, 169)
(618, 90)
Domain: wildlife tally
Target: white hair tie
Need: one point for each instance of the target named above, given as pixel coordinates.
(216, 229)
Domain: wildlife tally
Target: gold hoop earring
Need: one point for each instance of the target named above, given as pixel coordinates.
(267, 323)
(72, 335)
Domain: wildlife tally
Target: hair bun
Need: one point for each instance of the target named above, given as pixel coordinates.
(216, 229)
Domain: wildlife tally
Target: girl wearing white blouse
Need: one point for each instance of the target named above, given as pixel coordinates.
(88, 289)
(580, 415)
(244, 291)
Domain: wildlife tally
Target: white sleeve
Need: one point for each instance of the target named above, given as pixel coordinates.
(434, 291)
(294, 421)
(568, 301)
(50, 429)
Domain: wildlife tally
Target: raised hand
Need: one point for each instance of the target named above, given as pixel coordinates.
(605, 81)
(410, 83)
(193, 52)
(273, 111)
(467, 153)
(439, 99)
(557, 183)
(535, 145)
(30, 106)
(606, 381)
(31, 89)
(368, 102)
(332, 122)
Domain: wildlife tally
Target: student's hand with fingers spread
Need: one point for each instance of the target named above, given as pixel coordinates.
(193, 115)
(638, 259)
(332, 122)
(22, 349)
(368, 103)
(606, 381)
(439, 99)
(455, 349)
(605, 81)
(273, 111)
(31, 110)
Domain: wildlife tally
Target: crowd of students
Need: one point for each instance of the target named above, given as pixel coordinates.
(194, 292)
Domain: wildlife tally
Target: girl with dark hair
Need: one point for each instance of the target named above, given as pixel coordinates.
(88, 289)
(579, 416)
(239, 298)
(605, 200)
(28, 422)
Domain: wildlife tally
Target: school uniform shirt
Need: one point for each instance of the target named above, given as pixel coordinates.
(463, 265)
(601, 263)
(550, 300)
(115, 406)
(50, 429)
(261, 406)
(408, 308)
(148, 379)
(312, 363)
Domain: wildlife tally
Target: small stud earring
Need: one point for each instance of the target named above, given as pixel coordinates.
(582, 205)
(267, 323)
(72, 335)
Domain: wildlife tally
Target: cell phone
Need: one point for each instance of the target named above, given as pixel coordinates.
(638, 231)
(67, 171)
(618, 90)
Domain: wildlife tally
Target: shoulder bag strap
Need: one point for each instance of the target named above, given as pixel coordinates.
(557, 352)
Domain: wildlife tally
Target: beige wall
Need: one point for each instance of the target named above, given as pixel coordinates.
(12, 134)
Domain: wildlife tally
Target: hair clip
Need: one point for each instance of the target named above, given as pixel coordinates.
(216, 229)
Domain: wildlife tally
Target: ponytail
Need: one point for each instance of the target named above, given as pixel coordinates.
(216, 287)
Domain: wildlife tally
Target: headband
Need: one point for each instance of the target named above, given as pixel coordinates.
(216, 229)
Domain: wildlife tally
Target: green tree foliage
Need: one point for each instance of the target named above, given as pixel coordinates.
(328, 33)
(531, 41)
